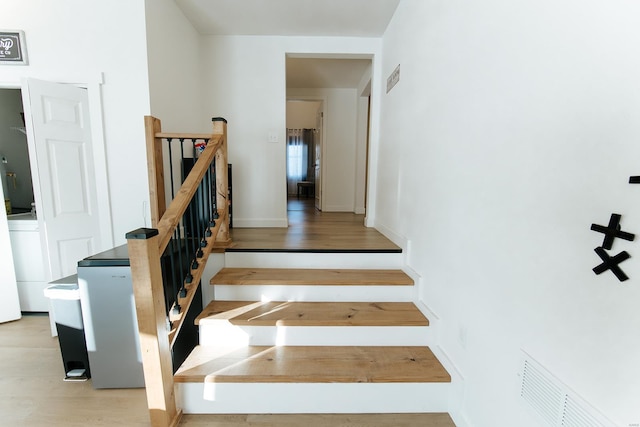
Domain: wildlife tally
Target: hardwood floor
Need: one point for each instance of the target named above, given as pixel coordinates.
(313, 231)
(320, 420)
(33, 393)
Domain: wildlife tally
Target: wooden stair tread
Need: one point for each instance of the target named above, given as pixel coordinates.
(251, 313)
(302, 276)
(304, 364)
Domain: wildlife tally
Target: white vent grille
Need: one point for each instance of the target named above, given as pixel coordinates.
(575, 415)
(541, 393)
(554, 402)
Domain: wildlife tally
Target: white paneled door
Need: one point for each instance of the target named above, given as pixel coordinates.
(9, 302)
(64, 164)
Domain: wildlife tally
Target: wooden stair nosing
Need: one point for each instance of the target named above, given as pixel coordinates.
(303, 364)
(252, 313)
(304, 276)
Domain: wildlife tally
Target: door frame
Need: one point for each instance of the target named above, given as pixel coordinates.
(323, 107)
(94, 90)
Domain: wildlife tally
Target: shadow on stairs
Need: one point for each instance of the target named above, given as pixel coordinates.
(313, 341)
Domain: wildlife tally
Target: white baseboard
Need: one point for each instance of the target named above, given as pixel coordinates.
(393, 236)
(457, 390)
(338, 208)
(260, 223)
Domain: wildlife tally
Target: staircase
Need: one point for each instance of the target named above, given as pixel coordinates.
(312, 333)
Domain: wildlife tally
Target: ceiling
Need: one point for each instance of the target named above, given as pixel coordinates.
(328, 18)
(325, 73)
(311, 18)
(322, 18)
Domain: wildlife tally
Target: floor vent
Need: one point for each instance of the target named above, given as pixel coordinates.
(554, 402)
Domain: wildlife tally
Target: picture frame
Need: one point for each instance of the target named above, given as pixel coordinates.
(13, 50)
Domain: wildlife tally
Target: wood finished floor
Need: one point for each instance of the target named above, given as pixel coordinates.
(313, 231)
(32, 394)
(302, 313)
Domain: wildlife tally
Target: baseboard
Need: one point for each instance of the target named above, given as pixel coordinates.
(260, 222)
(338, 208)
(457, 390)
(360, 210)
(393, 236)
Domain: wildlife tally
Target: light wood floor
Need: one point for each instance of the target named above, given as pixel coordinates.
(33, 394)
(304, 313)
(315, 231)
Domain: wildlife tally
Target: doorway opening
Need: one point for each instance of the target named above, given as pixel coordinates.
(304, 152)
(15, 170)
(342, 83)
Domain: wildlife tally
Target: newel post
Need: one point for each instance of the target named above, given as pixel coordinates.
(155, 167)
(222, 182)
(148, 291)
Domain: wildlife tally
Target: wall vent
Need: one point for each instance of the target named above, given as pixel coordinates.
(554, 402)
(574, 415)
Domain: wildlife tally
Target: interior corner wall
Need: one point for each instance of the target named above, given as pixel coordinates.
(245, 82)
(83, 42)
(174, 69)
(514, 127)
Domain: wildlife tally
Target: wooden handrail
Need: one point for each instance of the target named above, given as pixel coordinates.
(146, 246)
(164, 135)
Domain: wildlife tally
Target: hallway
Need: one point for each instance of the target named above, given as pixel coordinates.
(313, 231)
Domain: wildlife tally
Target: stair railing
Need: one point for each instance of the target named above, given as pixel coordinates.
(184, 232)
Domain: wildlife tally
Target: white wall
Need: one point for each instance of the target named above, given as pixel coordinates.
(174, 69)
(302, 114)
(80, 42)
(513, 128)
(244, 82)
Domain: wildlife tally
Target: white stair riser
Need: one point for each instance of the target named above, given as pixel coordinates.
(216, 333)
(314, 293)
(314, 260)
(301, 398)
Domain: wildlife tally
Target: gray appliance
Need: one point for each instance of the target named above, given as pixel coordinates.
(110, 321)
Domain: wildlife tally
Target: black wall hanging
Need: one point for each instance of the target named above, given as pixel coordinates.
(612, 231)
(611, 263)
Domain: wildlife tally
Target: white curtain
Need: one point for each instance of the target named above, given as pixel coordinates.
(299, 156)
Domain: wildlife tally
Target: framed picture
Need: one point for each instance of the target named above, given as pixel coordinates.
(13, 50)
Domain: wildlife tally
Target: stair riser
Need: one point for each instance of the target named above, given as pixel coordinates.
(314, 260)
(235, 398)
(314, 293)
(215, 334)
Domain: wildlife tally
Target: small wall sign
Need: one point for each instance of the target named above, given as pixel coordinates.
(393, 78)
(12, 48)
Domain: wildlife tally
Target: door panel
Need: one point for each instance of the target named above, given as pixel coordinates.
(69, 185)
(61, 139)
(9, 302)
